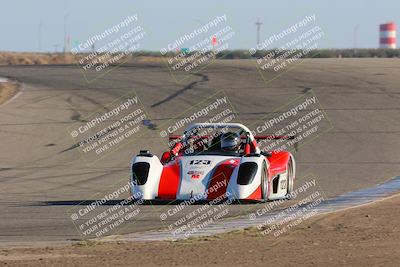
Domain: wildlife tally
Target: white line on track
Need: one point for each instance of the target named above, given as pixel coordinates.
(348, 200)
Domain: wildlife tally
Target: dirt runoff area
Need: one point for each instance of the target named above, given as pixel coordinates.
(7, 90)
(367, 235)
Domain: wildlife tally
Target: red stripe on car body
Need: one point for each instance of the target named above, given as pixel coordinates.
(256, 194)
(222, 172)
(169, 181)
(278, 162)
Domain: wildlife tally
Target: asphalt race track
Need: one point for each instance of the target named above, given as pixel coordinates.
(42, 175)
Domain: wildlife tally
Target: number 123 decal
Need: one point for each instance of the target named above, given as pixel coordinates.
(200, 162)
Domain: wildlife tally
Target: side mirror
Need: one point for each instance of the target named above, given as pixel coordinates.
(247, 145)
(165, 158)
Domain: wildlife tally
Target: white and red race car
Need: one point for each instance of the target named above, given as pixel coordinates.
(198, 167)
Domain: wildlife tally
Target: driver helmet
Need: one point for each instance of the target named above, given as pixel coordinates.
(230, 141)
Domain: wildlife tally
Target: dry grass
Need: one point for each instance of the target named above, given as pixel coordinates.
(17, 58)
(7, 91)
(25, 58)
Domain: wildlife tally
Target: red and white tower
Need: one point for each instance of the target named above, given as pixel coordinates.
(387, 35)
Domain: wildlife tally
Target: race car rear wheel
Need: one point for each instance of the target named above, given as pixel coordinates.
(290, 178)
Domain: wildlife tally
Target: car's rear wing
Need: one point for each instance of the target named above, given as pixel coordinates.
(272, 137)
(257, 137)
(173, 139)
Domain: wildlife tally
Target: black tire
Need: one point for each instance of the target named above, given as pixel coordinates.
(290, 178)
(264, 183)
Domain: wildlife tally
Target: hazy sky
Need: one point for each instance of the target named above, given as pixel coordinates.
(164, 21)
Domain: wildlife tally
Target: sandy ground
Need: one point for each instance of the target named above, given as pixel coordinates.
(368, 235)
(7, 91)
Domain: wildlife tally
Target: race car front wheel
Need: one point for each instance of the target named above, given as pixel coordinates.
(264, 183)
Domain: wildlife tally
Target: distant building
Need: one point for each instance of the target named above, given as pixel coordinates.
(387, 35)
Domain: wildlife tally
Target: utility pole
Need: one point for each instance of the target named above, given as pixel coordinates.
(258, 23)
(65, 32)
(355, 39)
(40, 35)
